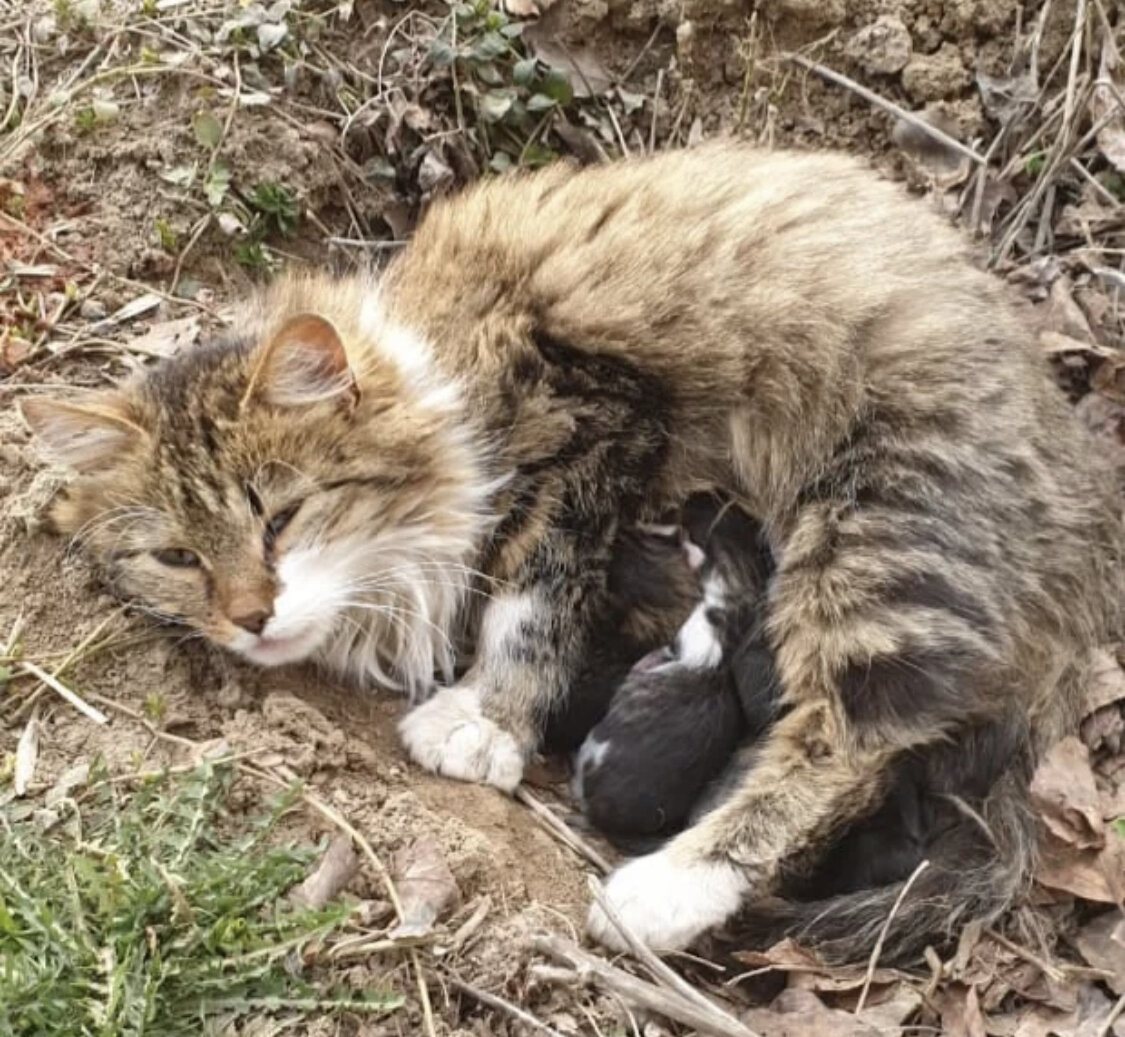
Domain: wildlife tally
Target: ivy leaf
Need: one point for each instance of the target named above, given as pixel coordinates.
(208, 130)
(495, 104)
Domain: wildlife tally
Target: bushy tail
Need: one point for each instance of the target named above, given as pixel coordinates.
(977, 867)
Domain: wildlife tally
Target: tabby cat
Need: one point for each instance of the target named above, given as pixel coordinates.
(370, 471)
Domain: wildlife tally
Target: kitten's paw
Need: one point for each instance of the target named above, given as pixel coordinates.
(667, 904)
(450, 734)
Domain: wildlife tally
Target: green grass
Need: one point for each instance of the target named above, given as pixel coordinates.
(156, 912)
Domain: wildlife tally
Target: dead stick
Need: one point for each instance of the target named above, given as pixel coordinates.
(485, 998)
(639, 992)
(888, 106)
(562, 831)
(874, 962)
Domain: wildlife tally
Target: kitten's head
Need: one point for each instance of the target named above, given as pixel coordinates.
(302, 489)
(726, 548)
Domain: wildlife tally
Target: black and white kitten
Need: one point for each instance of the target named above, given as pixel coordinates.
(681, 712)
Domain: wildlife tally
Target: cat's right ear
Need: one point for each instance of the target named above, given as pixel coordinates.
(86, 436)
(303, 362)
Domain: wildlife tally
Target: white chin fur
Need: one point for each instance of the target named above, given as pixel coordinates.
(668, 904)
(450, 734)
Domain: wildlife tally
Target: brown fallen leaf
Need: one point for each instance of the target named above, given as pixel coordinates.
(1090, 1018)
(13, 351)
(332, 873)
(1092, 874)
(1008, 99)
(1062, 314)
(960, 1012)
(166, 338)
(1109, 378)
(1104, 105)
(1064, 792)
(426, 886)
(941, 163)
(800, 1013)
(1102, 944)
(891, 1015)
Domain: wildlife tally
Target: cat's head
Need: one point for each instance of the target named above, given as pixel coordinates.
(305, 488)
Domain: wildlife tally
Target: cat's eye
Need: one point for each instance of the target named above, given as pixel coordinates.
(177, 558)
(277, 524)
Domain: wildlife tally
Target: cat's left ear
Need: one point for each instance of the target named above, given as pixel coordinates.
(303, 362)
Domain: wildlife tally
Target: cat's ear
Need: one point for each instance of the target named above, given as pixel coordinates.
(88, 435)
(303, 362)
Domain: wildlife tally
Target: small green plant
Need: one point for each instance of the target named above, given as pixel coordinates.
(1113, 182)
(275, 205)
(155, 707)
(513, 95)
(255, 256)
(165, 234)
(1034, 163)
(65, 17)
(85, 120)
(156, 912)
(217, 184)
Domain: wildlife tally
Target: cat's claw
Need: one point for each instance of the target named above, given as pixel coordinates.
(449, 734)
(666, 903)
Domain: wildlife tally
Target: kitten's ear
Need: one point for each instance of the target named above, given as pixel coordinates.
(86, 436)
(304, 362)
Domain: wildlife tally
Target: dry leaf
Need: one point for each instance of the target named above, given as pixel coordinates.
(890, 1015)
(1064, 792)
(960, 1012)
(800, 1013)
(785, 956)
(332, 873)
(1063, 314)
(27, 756)
(1007, 99)
(13, 351)
(1109, 378)
(425, 885)
(1102, 944)
(1104, 105)
(131, 310)
(946, 166)
(527, 8)
(1097, 875)
(166, 338)
(588, 76)
(1088, 1019)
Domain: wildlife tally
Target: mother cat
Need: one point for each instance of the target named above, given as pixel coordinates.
(557, 355)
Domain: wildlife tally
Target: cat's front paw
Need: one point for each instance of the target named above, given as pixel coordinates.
(450, 734)
(666, 903)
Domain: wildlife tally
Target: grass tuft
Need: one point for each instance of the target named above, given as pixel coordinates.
(156, 912)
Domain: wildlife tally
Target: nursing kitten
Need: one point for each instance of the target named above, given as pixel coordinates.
(651, 590)
(664, 756)
(677, 718)
(557, 356)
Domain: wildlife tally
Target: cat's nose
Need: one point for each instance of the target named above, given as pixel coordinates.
(254, 621)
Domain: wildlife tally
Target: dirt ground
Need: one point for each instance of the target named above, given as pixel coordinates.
(157, 158)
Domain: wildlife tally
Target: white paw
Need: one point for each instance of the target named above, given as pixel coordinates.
(450, 735)
(666, 904)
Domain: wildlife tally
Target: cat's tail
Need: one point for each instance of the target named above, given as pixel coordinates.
(974, 870)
